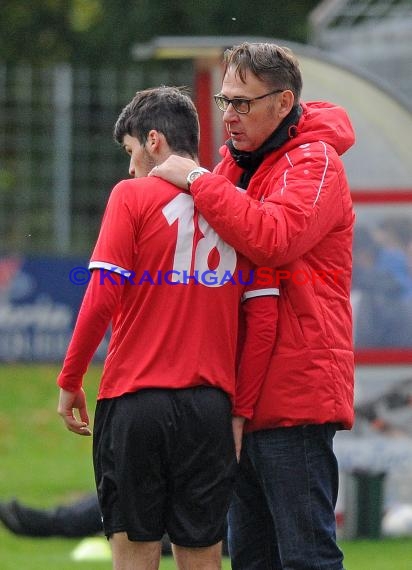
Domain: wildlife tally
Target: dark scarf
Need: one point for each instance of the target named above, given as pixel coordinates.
(250, 161)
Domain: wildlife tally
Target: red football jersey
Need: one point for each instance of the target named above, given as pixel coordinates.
(176, 323)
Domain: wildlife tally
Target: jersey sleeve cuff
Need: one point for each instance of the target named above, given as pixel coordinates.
(244, 412)
(111, 267)
(69, 384)
(270, 291)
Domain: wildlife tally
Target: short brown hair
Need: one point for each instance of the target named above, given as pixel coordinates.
(168, 110)
(276, 66)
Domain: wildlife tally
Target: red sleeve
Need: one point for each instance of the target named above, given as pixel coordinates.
(115, 246)
(259, 334)
(98, 307)
(303, 202)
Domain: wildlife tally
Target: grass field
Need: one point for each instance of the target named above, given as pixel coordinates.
(42, 464)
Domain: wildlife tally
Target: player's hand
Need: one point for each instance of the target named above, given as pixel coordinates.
(70, 401)
(175, 170)
(237, 427)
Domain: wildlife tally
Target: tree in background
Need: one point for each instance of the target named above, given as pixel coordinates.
(104, 31)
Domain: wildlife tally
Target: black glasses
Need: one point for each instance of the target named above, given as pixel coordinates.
(241, 106)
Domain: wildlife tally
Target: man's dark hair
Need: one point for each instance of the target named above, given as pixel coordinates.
(168, 110)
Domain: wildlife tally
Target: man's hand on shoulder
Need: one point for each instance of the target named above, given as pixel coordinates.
(175, 170)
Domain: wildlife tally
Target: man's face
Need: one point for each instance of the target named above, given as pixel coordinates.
(249, 131)
(141, 162)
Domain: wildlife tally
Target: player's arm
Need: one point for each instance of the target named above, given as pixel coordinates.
(260, 324)
(112, 254)
(99, 304)
(257, 343)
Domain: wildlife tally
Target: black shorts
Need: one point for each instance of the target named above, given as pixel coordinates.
(165, 462)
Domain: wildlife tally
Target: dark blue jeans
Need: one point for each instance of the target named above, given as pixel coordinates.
(282, 514)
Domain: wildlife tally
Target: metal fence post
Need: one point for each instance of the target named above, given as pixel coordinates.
(62, 105)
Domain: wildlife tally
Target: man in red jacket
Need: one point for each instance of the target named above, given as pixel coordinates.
(297, 216)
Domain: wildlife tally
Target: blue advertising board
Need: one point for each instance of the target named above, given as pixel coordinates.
(39, 301)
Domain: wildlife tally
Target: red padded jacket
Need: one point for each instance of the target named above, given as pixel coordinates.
(297, 217)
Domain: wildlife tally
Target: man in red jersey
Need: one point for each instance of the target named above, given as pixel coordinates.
(297, 216)
(163, 446)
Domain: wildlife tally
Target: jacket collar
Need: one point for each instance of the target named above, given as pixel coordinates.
(250, 161)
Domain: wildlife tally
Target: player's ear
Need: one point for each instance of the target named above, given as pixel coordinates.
(153, 141)
(286, 101)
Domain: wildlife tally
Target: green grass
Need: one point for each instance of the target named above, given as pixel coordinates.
(53, 554)
(390, 554)
(42, 464)
(41, 461)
